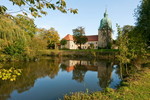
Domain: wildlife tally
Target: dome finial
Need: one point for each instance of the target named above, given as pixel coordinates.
(106, 14)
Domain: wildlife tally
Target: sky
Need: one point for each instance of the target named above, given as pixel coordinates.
(90, 12)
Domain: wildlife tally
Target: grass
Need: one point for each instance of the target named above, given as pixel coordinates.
(137, 87)
(96, 50)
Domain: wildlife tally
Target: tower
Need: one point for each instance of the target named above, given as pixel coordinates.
(105, 32)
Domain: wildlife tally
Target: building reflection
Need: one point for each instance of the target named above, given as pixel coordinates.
(80, 67)
(51, 68)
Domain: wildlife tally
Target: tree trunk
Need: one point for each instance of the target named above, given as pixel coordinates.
(80, 46)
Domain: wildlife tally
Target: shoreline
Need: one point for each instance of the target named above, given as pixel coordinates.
(98, 54)
(134, 87)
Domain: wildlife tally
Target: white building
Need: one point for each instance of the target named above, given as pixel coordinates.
(102, 40)
(93, 39)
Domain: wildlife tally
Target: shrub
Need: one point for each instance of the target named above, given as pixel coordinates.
(16, 48)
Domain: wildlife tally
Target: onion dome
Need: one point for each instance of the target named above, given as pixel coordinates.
(105, 22)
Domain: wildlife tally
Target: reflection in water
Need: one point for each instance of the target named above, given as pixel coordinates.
(30, 72)
(52, 78)
(79, 72)
(106, 74)
(115, 79)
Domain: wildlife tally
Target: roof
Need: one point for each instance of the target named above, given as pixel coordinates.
(68, 37)
(90, 37)
(105, 22)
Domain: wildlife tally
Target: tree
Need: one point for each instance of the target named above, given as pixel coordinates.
(131, 44)
(36, 44)
(79, 36)
(143, 20)
(36, 7)
(91, 46)
(13, 38)
(26, 23)
(9, 31)
(51, 36)
(127, 28)
(63, 42)
(122, 42)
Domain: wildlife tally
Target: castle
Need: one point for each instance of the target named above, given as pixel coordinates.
(102, 40)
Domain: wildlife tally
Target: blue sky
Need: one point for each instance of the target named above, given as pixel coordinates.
(89, 16)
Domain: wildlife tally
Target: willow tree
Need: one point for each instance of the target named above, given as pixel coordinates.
(25, 23)
(11, 36)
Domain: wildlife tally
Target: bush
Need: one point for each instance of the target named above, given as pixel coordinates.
(16, 48)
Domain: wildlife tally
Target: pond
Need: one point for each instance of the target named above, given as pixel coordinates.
(51, 79)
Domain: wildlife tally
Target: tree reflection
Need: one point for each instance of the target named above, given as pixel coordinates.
(63, 67)
(30, 72)
(80, 68)
(79, 72)
(104, 73)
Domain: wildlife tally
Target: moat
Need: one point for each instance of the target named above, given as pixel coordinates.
(51, 79)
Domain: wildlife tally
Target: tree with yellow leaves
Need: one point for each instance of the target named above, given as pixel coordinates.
(51, 36)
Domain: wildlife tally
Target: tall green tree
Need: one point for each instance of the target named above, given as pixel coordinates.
(37, 7)
(143, 20)
(79, 36)
(122, 42)
(131, 44)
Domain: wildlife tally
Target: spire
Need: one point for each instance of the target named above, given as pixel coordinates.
(106, 14)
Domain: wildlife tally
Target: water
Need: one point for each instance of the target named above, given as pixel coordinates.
(50, 79)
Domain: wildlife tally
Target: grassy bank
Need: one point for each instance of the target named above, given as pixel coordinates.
(96, 50)
(136, 87)
(102, 53)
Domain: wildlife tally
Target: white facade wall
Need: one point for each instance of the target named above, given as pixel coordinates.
(75, 62)
(87, 44)
(72, 45)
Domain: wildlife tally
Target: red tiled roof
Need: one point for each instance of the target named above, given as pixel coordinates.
(92, 38)
(68, 37)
